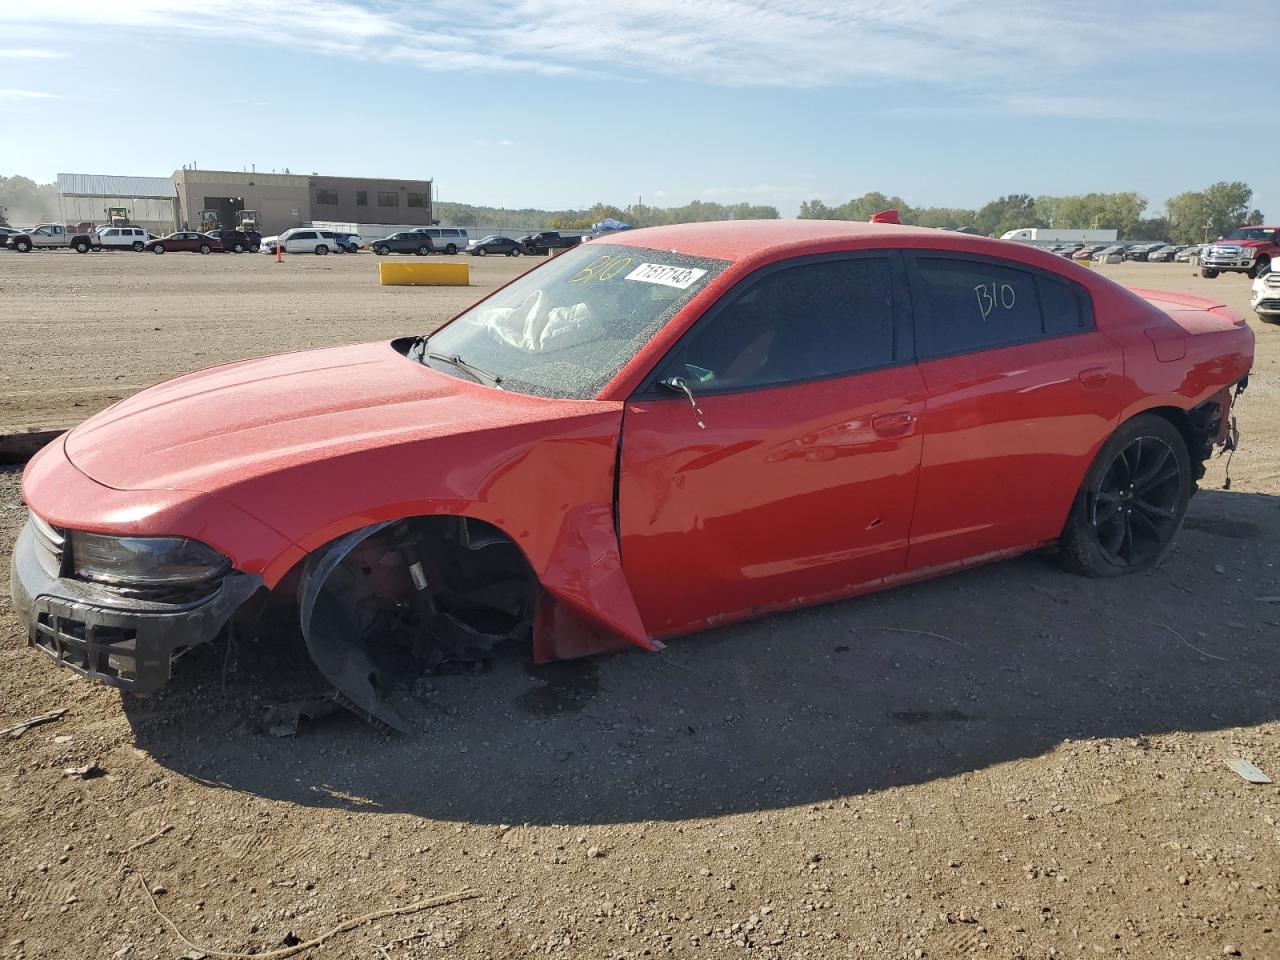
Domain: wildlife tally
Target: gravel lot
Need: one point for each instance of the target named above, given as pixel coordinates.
(1010, 761)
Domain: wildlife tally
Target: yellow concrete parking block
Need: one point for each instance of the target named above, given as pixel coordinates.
(393, 274)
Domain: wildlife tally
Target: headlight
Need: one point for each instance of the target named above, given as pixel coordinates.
(144, 561)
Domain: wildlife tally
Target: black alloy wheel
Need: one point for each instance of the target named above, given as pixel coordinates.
(1135, 509)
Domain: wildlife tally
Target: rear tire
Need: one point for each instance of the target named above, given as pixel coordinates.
(81, 246)
(204, 248)
(1132, 501)
(515, 251)
(451, 249)
(423, 250)
(138, 246)
(1207, 273)
(322, 250)
(238, 248)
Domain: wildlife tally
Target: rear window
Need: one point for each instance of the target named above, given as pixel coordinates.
(979, 304)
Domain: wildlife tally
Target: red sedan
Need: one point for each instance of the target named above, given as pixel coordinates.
(188, 241)
(676, 428)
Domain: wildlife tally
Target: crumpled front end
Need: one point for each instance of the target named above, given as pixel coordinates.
(126, 642)
(126, 633)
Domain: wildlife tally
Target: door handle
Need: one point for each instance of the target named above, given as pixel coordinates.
(1094, 377)
(896, 424)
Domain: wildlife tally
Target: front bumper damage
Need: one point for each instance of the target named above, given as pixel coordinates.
(122, 641)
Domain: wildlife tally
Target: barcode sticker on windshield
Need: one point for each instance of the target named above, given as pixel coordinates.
(679, 277)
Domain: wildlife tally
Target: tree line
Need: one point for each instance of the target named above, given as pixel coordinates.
(638, 215)
(1191, 217)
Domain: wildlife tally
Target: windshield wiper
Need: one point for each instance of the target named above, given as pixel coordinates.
(418, 351)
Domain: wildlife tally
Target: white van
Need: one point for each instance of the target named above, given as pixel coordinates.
(446, 239)
(122, 238)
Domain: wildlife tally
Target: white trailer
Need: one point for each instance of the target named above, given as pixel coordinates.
(1045, 235)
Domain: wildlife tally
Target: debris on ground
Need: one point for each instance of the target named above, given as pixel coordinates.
(1247, 770)
(284, 719)
(18, 729)
(87, 772)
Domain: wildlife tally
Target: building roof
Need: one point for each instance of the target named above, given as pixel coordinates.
(105, 185)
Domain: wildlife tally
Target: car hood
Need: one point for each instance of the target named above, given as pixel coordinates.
(1240, 243)
(210, 429)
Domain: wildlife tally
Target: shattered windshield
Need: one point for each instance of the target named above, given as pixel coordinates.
(566, 328)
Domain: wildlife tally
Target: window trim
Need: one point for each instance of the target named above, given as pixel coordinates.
(921, 310)
(903, 329)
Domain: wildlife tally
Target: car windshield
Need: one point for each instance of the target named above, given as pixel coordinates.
(1252, 233)
(566, 328)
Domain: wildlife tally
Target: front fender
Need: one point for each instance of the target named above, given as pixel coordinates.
(547, 485)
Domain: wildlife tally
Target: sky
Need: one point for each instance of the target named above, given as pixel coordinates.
(560, 103)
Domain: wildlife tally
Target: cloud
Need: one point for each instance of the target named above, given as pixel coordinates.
(31, 53)
(954, 45)
(28, 95)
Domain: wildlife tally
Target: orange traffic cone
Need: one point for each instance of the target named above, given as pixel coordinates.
(279, 252)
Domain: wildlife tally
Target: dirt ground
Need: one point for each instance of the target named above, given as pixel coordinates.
(1007, 762)
(84, 330)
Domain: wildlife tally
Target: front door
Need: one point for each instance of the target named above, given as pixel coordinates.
(790, 475)
(1022, 391)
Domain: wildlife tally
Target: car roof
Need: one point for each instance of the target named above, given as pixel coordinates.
(748, 239)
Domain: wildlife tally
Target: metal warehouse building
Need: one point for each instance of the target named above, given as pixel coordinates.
(150, 202)
(284, 200)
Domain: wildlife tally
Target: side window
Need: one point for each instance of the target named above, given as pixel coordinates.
(1066, 307)
(973, 305)
(113, 233)
(794, 324)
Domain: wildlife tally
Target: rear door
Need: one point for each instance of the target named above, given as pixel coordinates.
(790, 474)
(1022, 390)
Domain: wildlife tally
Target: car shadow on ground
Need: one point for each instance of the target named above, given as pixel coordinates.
(914, 684)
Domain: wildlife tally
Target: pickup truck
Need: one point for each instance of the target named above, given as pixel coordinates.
(541, 244)
(51, 236)
(1247, 250)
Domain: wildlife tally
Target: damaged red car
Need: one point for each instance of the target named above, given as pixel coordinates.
(642, 438)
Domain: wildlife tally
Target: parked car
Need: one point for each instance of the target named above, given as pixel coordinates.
(6, 233)
(255, 240)
(1113, 253)
(349, 242)
(186, 241)
(1185, 254)
(445, 239)
(669, 429)
(302, 240)
(409, 241)
(541, 244)
(121, 238)
(53, 236)
(1264, 295)
(1139, 251)
(1162, 254)
(1248, 250)
(495, 244)
(234, 241)
(1086, 251)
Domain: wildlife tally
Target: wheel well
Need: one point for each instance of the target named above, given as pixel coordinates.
(1198, 426)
